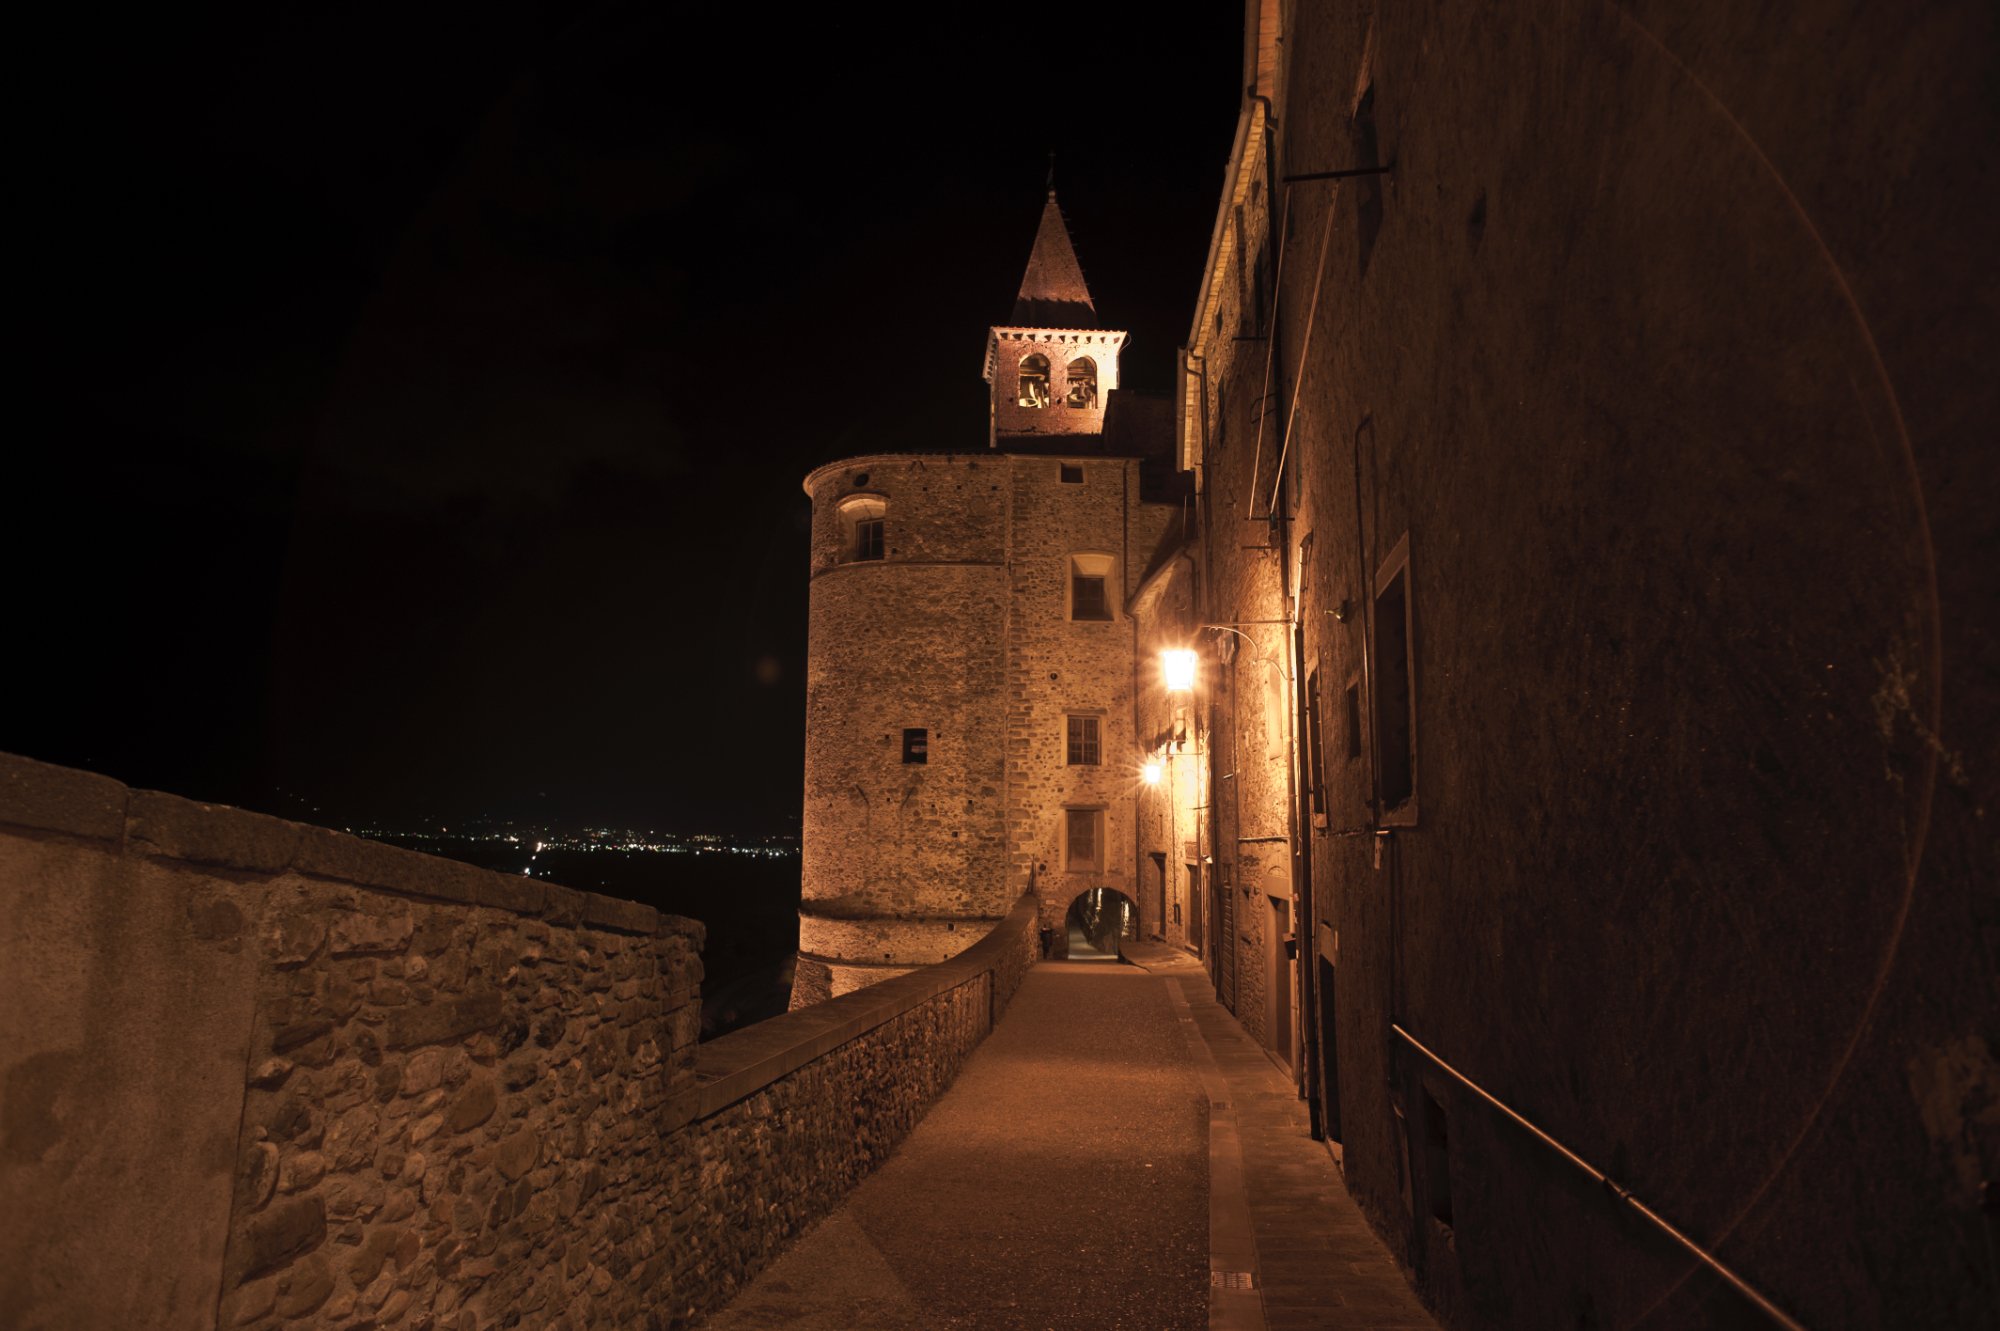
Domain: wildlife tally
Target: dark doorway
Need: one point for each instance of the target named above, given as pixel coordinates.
(1329, 1054)
(1278, 984)
(1098, 921)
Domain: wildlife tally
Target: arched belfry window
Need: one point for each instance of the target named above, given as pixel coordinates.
(861, 520)
(1082, 383)
(1034, 381)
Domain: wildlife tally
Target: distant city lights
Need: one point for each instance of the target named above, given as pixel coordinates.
(621, 840)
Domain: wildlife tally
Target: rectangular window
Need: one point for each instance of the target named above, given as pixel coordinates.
(1087, 599)
(1090, 586)
(1083, 750)
(1395, 697)
(1083, 837)
(868, 538)
(916, 746)
(1072, 473)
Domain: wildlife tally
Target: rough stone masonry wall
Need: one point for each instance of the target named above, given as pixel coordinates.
(455, 1113)
(796, 1110)
(1057, 666)
(909, 641)
(257, 1074)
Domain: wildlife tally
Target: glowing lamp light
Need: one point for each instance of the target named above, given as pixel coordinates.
(1150, 773)
(1179, 667)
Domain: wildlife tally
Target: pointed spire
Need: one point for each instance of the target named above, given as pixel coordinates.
(1052, 291)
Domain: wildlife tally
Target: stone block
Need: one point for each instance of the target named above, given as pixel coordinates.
(518, 1154)
(294, 935)
(564, 905)
(305, 1287)
(47, 798)
(287, 1230)
(292, 1036)
(352, 932)
(632, 917)
(179, 829)
(434, 1023)
(473, 1105)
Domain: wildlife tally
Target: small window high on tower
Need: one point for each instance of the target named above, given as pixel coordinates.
(1089, 587)
(1082, 383)
(862, 517)
(1034, 388)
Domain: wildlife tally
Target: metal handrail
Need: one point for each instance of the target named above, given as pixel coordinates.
(1616, 1189)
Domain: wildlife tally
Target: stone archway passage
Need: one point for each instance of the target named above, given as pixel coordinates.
(1098, 921)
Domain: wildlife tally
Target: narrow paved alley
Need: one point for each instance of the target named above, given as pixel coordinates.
(1115, 1152)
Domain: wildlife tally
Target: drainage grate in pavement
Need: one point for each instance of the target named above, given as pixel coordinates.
(1232, 1279)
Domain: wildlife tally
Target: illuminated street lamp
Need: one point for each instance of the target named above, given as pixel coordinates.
(1150, 773)
(1178, 665)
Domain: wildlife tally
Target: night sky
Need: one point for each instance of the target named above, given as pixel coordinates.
(420, 394)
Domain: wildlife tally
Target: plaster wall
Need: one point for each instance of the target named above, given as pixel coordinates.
(126, 1001)
(1671, 387)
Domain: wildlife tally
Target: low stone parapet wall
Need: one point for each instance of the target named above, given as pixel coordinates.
(257, 1074)
(796, 1110)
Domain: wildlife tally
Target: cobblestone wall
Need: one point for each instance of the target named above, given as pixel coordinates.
(455, 1113)
(258, 1074)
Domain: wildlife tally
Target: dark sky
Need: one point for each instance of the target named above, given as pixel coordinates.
(421, 393)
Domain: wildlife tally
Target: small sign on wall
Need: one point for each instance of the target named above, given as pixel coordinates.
(916, 746)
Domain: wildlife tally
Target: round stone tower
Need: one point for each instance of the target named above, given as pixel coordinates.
(969, 720)
(903, 849)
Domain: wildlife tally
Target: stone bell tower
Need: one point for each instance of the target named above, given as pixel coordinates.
(969, 672)
(1051, 367)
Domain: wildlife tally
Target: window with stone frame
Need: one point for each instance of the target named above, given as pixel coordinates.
(1083, 749)
(862, 520)
(1089, 587)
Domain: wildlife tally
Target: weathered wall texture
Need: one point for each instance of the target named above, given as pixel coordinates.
(913, 640)
(1060, 347)
(795, 1110)
(1664, 345)
(259, 1074)
(1059, 667)
(288, 1074)
(962, 629)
